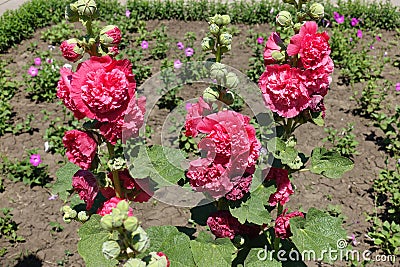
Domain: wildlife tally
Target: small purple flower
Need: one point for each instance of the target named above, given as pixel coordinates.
(49, 60)
(145, 45)
(272, 10)
(371, 47)
(53, 197)
(359, 34)
(189, 52)
(398, 90)
(385, 54)
(351, 39)
(353, 240)
(37, 61)
(378, 38)
(339, 18)
(177, 64)
(33, 71)
(354, 22)
(260, 40)
(398, 161)
(35, 160)
(180, 45)
(188, 106)
(127, 13)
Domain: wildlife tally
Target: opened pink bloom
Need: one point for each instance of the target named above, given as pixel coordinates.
(271, 46)
(284, 187)
(85, 184)
(71, 50)
(194, 116)
(64, 91)
(35, 160)
(81, 148)
(102, 88)
(282, 224)
(283, 91)
(312, 47)
(32, 71)
(109, 205)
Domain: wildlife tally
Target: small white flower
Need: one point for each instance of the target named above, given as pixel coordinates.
(46, 146)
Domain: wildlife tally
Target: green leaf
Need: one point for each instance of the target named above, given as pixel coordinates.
(319, 232)
(208, 252)
(173, 243)
(260, 257)
(252, 209)
(317, 118)
(329, 163)
(92, 236)
(287, 154)
(64, 180)
(156, 162)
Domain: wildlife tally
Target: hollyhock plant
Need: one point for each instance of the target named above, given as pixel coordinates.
(81, 148)
(85, 184)
(282, 224)
(102, 88)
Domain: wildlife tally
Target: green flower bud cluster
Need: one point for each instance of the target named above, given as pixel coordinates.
(220, 40)
(116, 164)
(81, 10)
(316, 11)
(284, 19)
(69, 214)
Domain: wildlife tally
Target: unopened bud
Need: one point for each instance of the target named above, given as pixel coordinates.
(217, 19)
(71, 50)
(226, 20)
(211, 93)
(123, 206)
(207, 43)
(231, 80)
(284, 18)
(278, 55)
(140, 240)
(218, 71)
(214, 29)
(225, 39)
(110, 35)
(71, 13)
(111, 249)
(82, 216)
(106, 222)
(158, 260)
(317, 11)
(131, 224)
(87, 8)
(134, 262)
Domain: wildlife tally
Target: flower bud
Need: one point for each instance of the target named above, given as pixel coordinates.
(86, 8)
(131, 224)
(66, 209)
(226, 48)
(123, 206)
(134, 262)
(316, 11)
(228, 98)
(297, 27)
(214, 29)
(110, 35)
(111, 249)
(218, 71)
(278, 55)
(217, 19)
(82, 216)
(284, 18)
(226, 20)
(211, 93)
(71, 50)
(225, 39)
(207, 43)
(140, 240)
(158, 260)
(71, 13)
(116, 164)
(231, 80)
(106, 222)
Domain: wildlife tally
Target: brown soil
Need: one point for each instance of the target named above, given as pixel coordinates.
(33, 211)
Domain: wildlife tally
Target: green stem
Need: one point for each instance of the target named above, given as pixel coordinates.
(115, 180)
(277, 240)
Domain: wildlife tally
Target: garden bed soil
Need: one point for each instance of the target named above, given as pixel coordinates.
(33, 211)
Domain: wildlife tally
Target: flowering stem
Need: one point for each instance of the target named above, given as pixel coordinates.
(115, 180)
(218, 53)
(277, 240)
